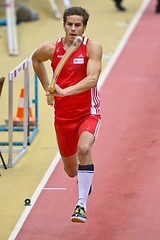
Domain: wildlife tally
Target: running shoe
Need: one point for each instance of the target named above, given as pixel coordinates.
(79, 215)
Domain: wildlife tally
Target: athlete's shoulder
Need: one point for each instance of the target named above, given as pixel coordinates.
(48, 48)
(93, 44)
(94, 47)
(45, 52)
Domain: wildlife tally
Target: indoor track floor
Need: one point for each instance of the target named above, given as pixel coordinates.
(127, 185)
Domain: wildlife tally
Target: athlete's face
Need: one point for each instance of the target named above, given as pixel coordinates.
(74, 27)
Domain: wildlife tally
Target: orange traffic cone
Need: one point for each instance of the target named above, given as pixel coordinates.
(20, 111)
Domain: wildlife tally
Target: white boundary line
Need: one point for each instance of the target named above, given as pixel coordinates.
(57, 157)
(54, 189)
(122, 43)
(34, 197)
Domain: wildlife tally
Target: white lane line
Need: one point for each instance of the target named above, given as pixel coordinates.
(54, 189)
(122, 43)
(34, 197)
(57, 157)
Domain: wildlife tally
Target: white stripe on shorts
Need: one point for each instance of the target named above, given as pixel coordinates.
(97, 128)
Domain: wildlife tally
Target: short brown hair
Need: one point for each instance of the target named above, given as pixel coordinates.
(76, 11)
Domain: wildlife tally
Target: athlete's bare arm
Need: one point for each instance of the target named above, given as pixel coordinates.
(41, 55)
(94, 67)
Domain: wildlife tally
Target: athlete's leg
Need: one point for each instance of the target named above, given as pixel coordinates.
(85, 175)
(71, 165)
(88, 131)
(67, 139)
(86, 167)
(85, 143)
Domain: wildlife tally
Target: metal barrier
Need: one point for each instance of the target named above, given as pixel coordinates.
(29, 131)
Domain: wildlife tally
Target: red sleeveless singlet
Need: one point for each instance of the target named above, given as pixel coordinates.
(71, 108)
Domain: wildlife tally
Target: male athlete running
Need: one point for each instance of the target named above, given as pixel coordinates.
(76, 100)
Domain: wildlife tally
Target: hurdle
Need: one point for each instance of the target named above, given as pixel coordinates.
(29, 132)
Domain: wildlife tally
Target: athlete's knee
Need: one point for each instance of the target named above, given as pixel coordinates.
(83, 149)
(71, 165)
(71, 172)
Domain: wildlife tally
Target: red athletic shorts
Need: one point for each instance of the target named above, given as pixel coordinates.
(68, 133)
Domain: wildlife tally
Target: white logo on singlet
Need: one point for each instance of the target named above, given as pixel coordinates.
(59, 56)
(78, 60)
(81, 55)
